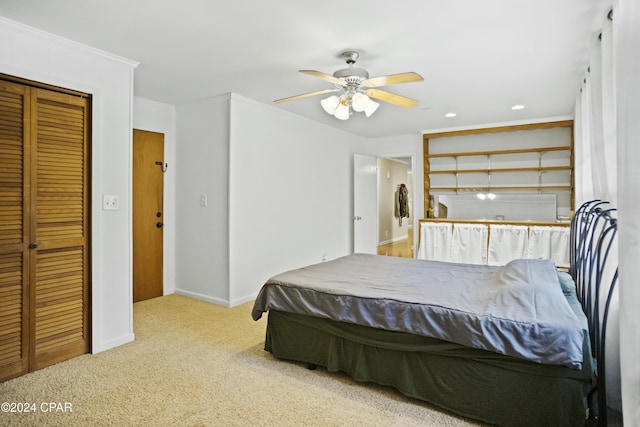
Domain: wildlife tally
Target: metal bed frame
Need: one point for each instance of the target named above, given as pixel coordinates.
(593, 256)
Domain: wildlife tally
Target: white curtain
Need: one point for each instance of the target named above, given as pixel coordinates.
(549, 242)
(582, 160)
(507, 242)
(435, 241)
(594, 125)
(626, 34)
(607, 167)
(469, 243)
(609, 140)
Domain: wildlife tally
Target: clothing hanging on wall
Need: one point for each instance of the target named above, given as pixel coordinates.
(402, 203)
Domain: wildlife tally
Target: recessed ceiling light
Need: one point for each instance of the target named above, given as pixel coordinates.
(450, 114)
(517, 107)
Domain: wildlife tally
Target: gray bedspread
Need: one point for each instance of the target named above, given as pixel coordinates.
(517, 310)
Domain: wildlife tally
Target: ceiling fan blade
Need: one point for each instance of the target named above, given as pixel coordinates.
(306, 95)
(324, 76)
(392, 98)
(393, 79)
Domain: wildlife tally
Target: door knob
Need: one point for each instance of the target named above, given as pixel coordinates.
(159, 224)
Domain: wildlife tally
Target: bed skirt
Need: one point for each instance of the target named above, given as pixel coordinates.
(472, 383)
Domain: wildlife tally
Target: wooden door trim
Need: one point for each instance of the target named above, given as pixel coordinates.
(40, 85)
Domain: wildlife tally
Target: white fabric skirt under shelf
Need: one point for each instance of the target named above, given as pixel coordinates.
(496, 244)
(507, 242)
(550, 242)
(469, 243)
(435, 241)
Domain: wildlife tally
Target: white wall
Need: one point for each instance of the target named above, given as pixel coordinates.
(627, 21)
(36, 55)
(202, 232)
(279, 193)
(157, 117)
(291, 194)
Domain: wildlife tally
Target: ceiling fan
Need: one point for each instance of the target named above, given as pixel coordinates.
(357, 89)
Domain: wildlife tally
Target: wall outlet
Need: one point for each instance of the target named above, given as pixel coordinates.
(203, 200)
(110, 202)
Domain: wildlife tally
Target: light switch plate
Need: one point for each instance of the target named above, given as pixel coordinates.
(110, 202)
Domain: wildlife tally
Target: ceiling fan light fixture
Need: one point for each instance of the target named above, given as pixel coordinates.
(342, 112)
(330, 104)
(371, 108)
(358, 90)
(360, 102)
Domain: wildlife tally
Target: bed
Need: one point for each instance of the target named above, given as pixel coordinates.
(506, 345)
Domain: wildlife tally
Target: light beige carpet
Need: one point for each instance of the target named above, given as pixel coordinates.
(198, 364)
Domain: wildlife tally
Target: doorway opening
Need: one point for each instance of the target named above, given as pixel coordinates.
(395, 206)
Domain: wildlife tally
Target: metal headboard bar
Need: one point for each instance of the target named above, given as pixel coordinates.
(593, 236)
(605, 244)
(582, 235)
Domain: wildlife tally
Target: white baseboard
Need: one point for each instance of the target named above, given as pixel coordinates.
(395, 239)
(112, 343)
(217, 301)
(244, 299)
(203, 297)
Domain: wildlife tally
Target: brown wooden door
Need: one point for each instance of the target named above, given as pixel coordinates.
(44, 219)
(148, 217)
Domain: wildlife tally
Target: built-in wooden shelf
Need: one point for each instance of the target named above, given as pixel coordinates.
(511, 188)
(499, 163)
(496, 152)
(491, 170)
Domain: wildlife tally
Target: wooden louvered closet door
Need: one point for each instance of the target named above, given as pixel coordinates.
(44, 229)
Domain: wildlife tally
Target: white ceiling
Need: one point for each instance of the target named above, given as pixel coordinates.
(478, 58)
